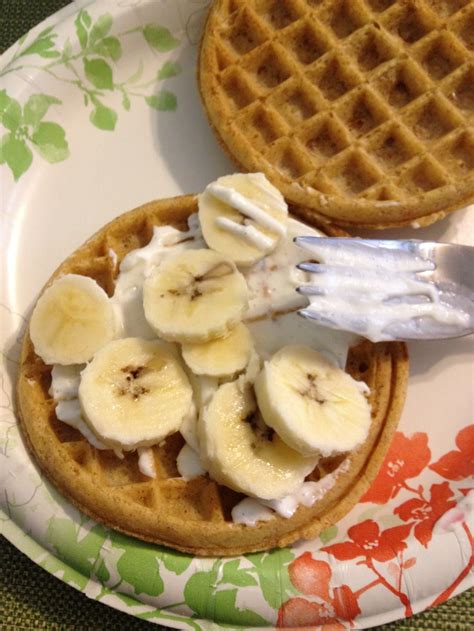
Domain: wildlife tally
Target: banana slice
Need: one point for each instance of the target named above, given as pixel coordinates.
(222, 357)
(241, 452)
(243, 216)
(313, 405)
(71, 320)
(134, 393)
(196, 296)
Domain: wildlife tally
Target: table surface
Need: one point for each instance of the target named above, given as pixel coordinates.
(30, 598)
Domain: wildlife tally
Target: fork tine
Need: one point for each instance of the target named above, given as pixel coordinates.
(312, 268)
(310, 290)
(381, 253)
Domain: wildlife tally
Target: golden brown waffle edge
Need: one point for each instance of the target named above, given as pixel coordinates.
(192, 516)
(360, 112)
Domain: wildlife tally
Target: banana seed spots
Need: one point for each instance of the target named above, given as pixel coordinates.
(130, 386)
(261, 431)
(312, 390)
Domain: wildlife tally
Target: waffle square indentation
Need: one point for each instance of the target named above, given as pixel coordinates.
(307, 42)
(237, 88)
(290, 161)
(333, 78)
(270, 68)
(278, 13)
(425, 176)
(411, 22)
(432, 120)
(245, 33)
(267, 124)
(380, 5)
(461, 92)
(392, 146)
(371, 48)
(462, 150)
(401, 84)
(325, 138)
(441, 56)
(445, 8)
(345, 16)
(352, 173)
(363, 113)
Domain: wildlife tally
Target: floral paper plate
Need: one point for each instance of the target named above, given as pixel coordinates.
(99, 113)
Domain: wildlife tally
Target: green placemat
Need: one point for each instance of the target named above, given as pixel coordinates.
(32, 599)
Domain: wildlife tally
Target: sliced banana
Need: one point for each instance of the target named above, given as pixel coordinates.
(196, 296)
(223, 357)
(72, 319)
(134, 393)
(314, 406)
(243, 216)
(241, 452)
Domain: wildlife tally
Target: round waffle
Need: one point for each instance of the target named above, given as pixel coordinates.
(360, 111)
(192, 516)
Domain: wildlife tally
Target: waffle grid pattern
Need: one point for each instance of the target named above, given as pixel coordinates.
(200, 498)
(358, 99)
(194, 515)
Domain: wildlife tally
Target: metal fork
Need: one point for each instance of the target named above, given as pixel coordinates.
(389, 290)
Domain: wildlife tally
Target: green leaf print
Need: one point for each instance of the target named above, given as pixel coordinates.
(90, 70)
(109, 47)
(100, 28)
(99, 73)
(328, 533)
(36, 107)
(10, 111)
(103, 117)
(16, 154)
(164, 101)
(176, 562)
(217, 605)
(272, 571)
(168, 70)
(81, 30)
(102, 573)
(138, 565)
(159, 38)
(86, 18)
(57, 568)
(81, 553)
(51, 142)
(43, 45)
(234, 576)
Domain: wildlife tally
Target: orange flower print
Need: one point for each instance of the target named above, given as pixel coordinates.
(458, 464)
(425, 513)
(368, 541)
(334, 605)
(406, 458)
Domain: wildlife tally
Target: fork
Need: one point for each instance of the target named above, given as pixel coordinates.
(389, 290)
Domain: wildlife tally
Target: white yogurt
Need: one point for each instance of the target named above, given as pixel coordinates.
(377, 293)
(250, 511)
(272, 283)
(189, 463)
(65, 382)
(146, 462)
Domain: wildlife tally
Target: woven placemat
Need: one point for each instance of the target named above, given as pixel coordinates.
(30, 598)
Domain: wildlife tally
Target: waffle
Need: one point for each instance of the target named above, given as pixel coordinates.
(360, 111)
(192, 516)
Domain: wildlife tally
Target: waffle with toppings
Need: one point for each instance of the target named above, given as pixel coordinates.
(191, 515)
(360, 111)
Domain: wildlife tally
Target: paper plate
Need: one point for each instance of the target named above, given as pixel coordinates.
(99, 113)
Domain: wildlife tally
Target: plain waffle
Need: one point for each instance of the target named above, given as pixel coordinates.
(193, 516)
(360, 111)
